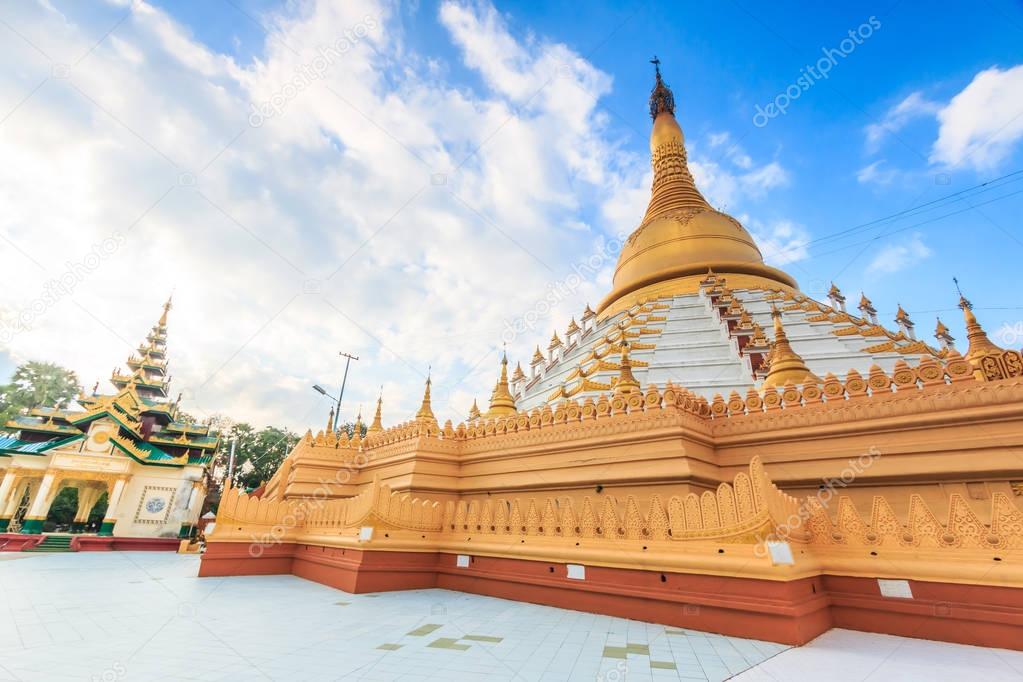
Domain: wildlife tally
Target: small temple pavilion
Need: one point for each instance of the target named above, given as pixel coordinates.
(133, 452)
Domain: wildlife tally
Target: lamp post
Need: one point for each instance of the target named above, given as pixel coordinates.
(344, 379)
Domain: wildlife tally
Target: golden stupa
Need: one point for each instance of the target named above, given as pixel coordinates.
(682, 236)
(667, 461)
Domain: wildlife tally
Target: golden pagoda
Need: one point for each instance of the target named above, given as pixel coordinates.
(840, 474)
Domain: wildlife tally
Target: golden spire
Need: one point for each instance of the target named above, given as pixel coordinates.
(357, 428)
(425, 412)
(867, 309)
(980, 344)
(502, 403)
(518, 374)
(474, 411)
(942, 334)
(166, 309)
(905, 324)
(626, 381)
(555, 341)
(537, 356)
(588, 313)
(681, 235)
(572, 327)
(785, 364)
(377, 424)
(330, 420)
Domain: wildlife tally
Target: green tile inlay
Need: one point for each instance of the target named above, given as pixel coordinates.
(637, 649)
(389, 647)
(662, 665)
(615, 651)
(448, 643)
(424, 630)
(675, 632)
(483, 638)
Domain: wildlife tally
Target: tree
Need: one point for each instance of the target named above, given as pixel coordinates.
(258, 454)
(36, 384)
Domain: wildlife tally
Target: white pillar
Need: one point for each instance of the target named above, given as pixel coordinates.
(40, 505)
(11, 505)
(6, 487)
(111, 516)
(7, 491)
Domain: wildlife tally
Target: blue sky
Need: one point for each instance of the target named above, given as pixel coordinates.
(305, 235)
(723, 59)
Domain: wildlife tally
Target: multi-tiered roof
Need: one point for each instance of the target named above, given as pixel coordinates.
(151, 429)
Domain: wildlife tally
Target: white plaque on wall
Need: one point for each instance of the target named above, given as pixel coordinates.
(899, 589)
(576, 572)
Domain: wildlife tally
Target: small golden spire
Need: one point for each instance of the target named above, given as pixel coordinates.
(537, 356)
(905, 324)
(425, 412)
(377, 424)
(502, 402)
(786, 365)
(867, 309)
(942, 334)
(572, 327)
(357, 428)
(588, 313)
(836, 297)
(626, 381)
(980, 345)
(555, 342)
(474, 411)
(330, 420)
(518, 374)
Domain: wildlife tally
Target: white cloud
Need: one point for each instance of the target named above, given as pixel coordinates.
(982, 124)
(895, 119)
(381, 209)
(896, 257)
(781, 241)
(875, 174)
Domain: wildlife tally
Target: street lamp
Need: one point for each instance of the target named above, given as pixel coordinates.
(344, 379)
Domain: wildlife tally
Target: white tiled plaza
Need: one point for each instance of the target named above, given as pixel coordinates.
(146, 616)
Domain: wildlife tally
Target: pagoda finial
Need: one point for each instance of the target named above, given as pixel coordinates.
(357, 429)
(785, 363)
(330, 420)
(626, 381)
(502, 402)
(980, 346)
(166, 309)
(425, 412)
(661, 98)
(378, 424)
(474, 411)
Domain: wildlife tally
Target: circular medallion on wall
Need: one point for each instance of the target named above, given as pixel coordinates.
(156, 505)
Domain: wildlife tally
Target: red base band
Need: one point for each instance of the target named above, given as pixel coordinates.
(789, 612)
